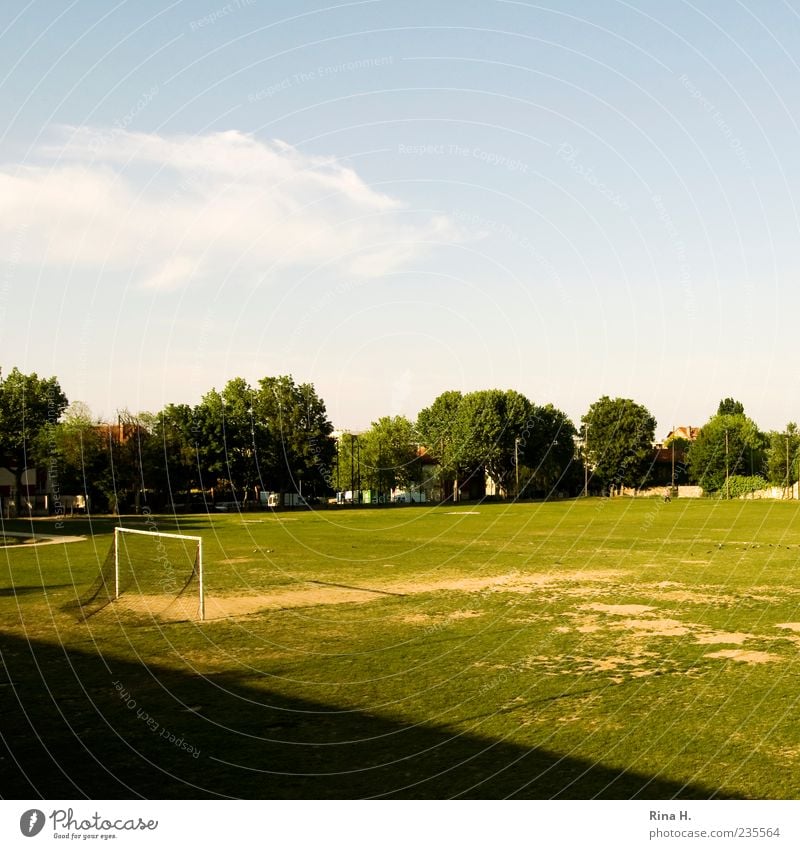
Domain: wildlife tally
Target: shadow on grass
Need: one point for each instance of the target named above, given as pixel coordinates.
(103, 526)
(76, 724)
(40, 589)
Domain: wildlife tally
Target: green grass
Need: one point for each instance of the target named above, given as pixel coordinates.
(535, 650)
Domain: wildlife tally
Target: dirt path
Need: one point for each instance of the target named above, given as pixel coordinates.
(313, 593)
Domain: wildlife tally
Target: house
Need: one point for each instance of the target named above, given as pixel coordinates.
(669, 462)
(687, 432)
(34, 495)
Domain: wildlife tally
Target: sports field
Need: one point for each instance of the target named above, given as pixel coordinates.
(578, 649)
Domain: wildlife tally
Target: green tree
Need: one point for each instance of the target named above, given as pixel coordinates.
(728, 444)
(440, 431)
(275, 436)
(170, 455)
(619, 441)
(229, 436)
(299, 447)
(122, 475)
(730, 407)
(28, 406)
(547, 451)
(347, 462)
(386, 457)
(783, 454)
(500, 433)
(489, 423)
(75, 454)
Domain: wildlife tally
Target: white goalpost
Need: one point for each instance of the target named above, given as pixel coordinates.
(154, 563)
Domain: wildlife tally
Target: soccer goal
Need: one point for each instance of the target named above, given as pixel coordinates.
(150, 572)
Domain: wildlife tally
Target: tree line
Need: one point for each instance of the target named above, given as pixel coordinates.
(276, 436)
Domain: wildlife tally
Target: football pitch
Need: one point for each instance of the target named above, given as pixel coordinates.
(577, 649)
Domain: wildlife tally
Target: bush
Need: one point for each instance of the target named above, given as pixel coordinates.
(739, 485)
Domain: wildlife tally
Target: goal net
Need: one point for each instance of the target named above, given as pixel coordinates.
(151, 573)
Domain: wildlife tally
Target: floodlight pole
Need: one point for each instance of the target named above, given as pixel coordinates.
(352, 469)
(727, 471)
(787, 466)
(586, 460)
(673, 460)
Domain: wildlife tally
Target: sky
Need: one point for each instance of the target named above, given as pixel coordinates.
(392, 199)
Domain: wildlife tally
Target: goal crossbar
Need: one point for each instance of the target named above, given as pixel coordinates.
(198, 540)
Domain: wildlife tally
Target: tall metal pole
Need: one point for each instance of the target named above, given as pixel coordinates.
(787, 465)
(516, 462)
(586, 460)
(673, 460)
(358, 448)
(352, 471)
(727, 472)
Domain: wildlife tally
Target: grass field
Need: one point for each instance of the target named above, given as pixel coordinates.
(581, 649)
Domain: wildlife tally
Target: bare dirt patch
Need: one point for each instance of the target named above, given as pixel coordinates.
(691, 597)
(789, 626)
(417, 619)
(657, 627)
(717, 637)
(744, 656)
(220, 607)
(311, 594)
(515, 582)
(634, 664)
(428, 618)
(619, 609)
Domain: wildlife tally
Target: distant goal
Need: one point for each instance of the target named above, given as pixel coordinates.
(150, 573)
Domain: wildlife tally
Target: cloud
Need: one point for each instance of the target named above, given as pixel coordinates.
(174, 273)
(175, 209)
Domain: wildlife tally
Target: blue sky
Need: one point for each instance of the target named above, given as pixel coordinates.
(393, 199)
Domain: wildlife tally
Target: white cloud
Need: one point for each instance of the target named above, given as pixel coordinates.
(177, 208)
(174, 273)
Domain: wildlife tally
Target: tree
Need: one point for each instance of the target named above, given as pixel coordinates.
(386, 457)
(728, 444)
(29, 406)
(782, 456)
(548, 451)
(274, 436)
(730, 407)
(74, 453)
(619, 437)
(441, 434)
(489, 424)
(125, 444)
(502, 434)
(230, 436)
(300, 448)
(170, 455)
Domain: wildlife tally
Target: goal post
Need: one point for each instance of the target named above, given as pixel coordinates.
(163, 558)
(150, 573)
